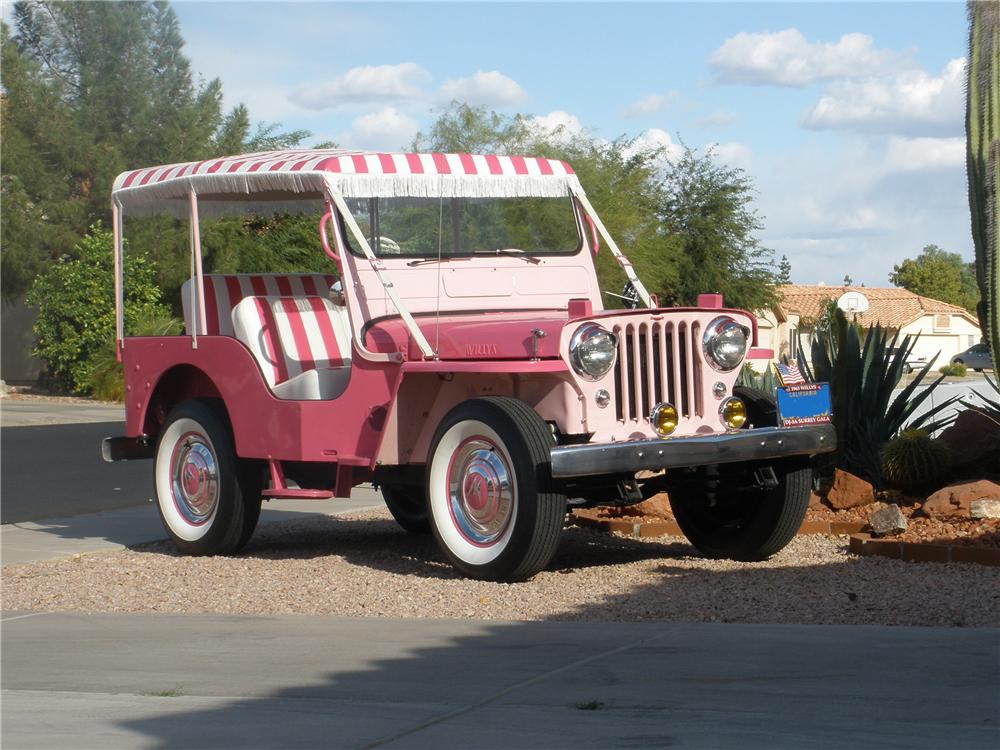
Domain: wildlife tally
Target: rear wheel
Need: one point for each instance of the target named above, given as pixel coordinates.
(208, 498)
(492, 508)
(408, 506)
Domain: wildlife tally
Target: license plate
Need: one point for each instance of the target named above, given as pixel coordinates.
(806, 403)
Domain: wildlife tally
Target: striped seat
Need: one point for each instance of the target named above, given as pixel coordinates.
(302, 344)
(224, 291)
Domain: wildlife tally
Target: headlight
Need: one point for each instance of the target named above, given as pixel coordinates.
(592, 351)
(725, 343)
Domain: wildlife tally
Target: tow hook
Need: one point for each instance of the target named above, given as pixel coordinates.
(765, 478)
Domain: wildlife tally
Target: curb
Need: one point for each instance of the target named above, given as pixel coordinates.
(638, 529)
(866, 545)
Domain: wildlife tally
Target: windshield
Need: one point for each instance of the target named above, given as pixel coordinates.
(428, 227)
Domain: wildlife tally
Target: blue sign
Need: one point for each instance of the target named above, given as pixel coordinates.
(802, 404)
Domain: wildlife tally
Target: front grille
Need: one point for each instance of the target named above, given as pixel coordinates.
(657, 362)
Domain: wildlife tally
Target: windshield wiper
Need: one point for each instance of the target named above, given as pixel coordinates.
(514, 253)
(442, 259)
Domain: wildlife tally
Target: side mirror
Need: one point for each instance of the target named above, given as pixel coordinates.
(630, 296)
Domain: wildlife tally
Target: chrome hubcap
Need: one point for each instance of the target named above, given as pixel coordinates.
(194, 478)
(480, 495)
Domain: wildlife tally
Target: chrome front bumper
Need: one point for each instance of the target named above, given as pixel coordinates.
(732, 447)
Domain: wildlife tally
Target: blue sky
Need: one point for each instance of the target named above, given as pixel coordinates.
(849, 116)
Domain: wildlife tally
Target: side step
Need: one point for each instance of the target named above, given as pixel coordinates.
(280, 490)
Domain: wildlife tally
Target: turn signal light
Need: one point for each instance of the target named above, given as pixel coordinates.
(733, 413)
(664, 419)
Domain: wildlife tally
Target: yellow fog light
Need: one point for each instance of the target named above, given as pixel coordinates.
(733, 413)
(664, 419)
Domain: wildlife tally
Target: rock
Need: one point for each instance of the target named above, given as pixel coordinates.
(658, 506)
(815, 501)
(973, 439)
(887, 519)
(984, 508)
(849, 491)
(957, 499)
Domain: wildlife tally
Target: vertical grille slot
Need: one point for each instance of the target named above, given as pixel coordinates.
(657, 361)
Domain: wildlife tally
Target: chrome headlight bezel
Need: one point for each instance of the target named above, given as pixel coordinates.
(720, 332)
(589, 335)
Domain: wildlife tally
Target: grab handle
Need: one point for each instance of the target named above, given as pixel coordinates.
(328, 216)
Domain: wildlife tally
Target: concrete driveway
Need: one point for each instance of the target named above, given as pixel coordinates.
(163, 681)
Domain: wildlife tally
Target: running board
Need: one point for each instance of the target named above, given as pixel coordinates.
(280, 490)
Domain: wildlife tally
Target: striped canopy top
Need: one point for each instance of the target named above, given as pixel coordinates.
(285, 177)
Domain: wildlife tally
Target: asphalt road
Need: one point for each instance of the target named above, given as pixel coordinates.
(162, 681)
(50, 470)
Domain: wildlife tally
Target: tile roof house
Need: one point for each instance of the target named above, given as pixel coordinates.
(942, 327)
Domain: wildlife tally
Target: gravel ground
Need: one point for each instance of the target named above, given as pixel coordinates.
(366, 566)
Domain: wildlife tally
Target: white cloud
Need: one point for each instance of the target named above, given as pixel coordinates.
(924, 154)
(385, 130)
(557, 125)
(653, 139)
(787, 58)
(365, 85)
(484, 87)
(862, 205)
(732, 154)
(719, 119)
(650, 104)
(911, 102)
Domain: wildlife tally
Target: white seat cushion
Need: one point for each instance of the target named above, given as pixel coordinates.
(291, 337)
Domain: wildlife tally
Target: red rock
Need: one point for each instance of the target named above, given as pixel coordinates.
(973, 439)
(815, 501)
(658, 506)
(957, 499)
(849, 491)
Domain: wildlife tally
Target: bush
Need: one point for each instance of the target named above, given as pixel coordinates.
(955, 369)
(76, 307)
(107, 380)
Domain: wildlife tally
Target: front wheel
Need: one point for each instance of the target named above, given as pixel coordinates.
(492, 507)
(208, 498)
(746, 524)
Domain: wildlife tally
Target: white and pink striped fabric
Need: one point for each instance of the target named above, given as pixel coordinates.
(292, 336)
(351, 173)
(224, 292)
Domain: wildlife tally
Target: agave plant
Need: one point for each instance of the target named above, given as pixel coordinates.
(863, 369)
(762, 381)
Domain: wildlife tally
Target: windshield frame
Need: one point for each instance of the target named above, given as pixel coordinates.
(352, 248)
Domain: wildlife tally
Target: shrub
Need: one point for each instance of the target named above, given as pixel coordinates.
(954, 369)
(762, 381)
(76, 307)
(913, 459)
(106, 379)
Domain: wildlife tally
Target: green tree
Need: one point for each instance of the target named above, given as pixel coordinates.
(93, 89)
(75, 298)
(940, 275)
(709, 208)
(784, 271)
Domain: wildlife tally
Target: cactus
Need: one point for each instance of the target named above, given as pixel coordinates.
(913, 459)
(982, 126)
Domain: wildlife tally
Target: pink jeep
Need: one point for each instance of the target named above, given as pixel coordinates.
(464, 363)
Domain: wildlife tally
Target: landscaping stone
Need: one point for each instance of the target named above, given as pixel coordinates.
(973, 439)
(957, 499)
(849, 491)
(887, 519)
(815, 500)
(984, 508)
(658, 506)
